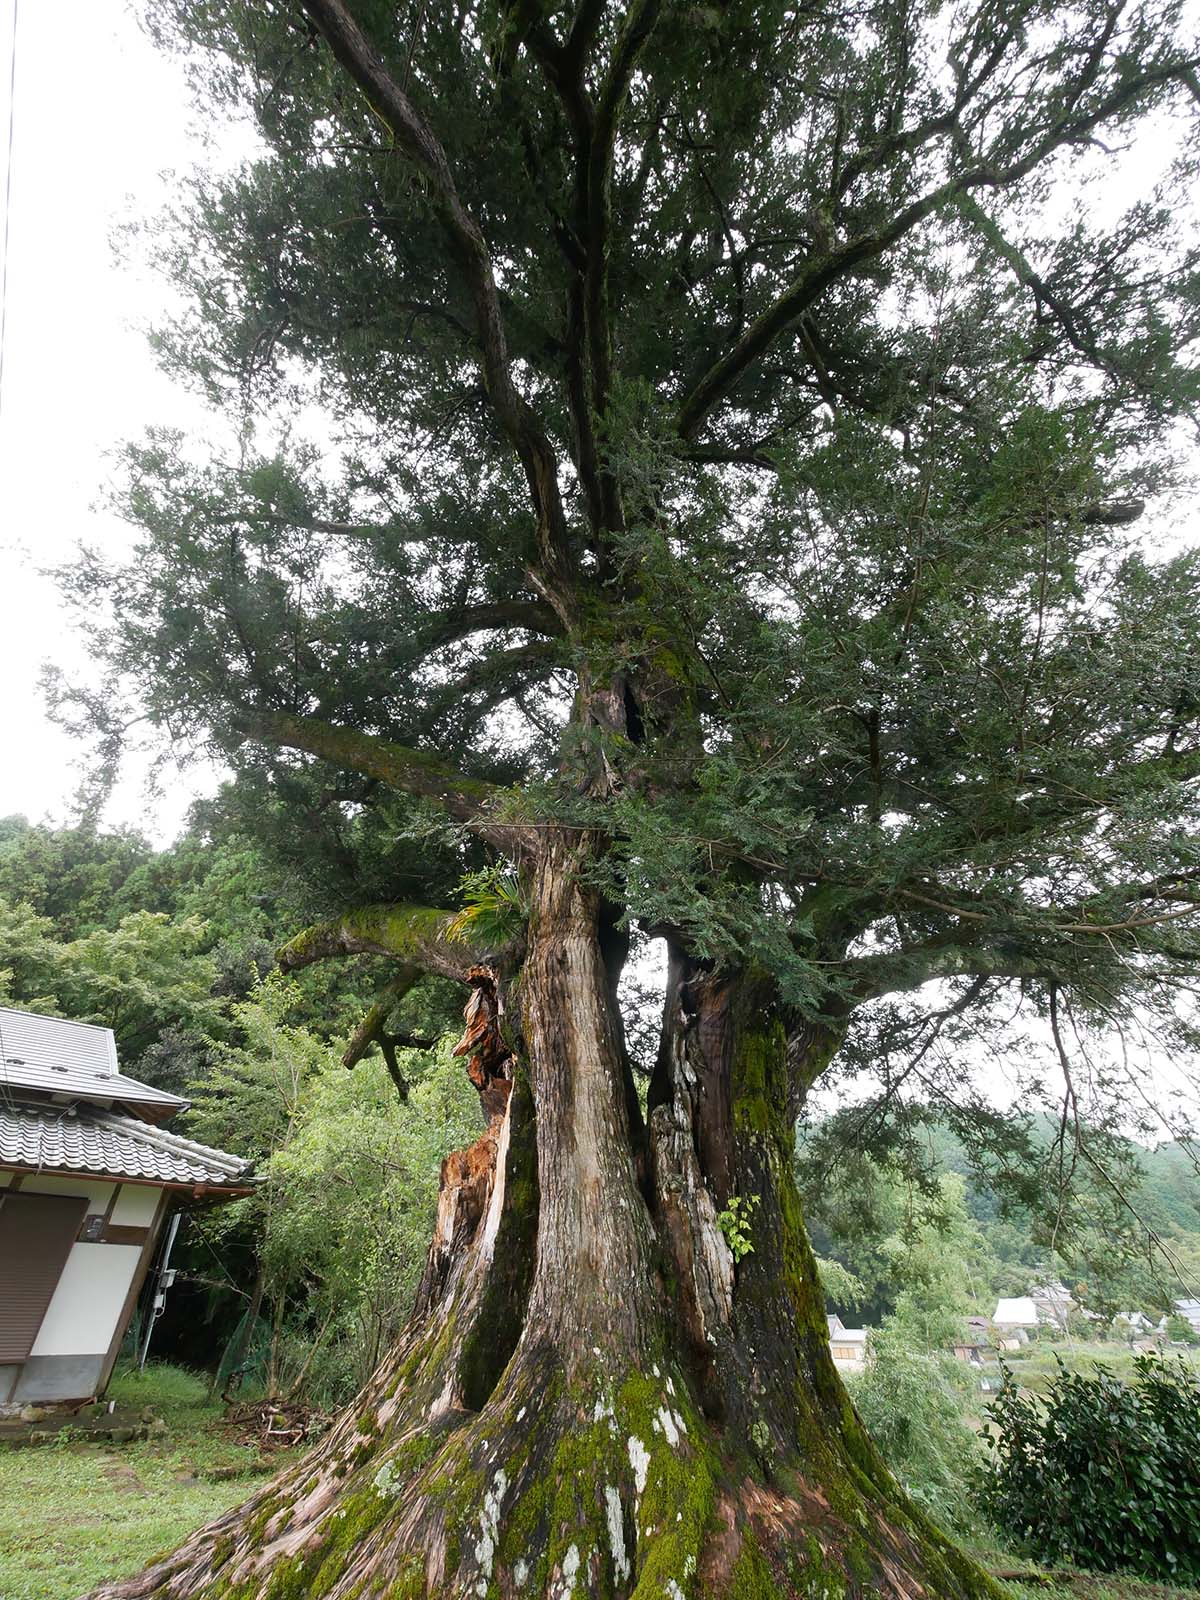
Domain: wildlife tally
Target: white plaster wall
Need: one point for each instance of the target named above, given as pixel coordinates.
(136, 1205)
(82, 1315)
(96, 1190)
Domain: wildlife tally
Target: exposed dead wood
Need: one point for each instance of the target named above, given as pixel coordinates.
(275, 1424)
(489, 1064)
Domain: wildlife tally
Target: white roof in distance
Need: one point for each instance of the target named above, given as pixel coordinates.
(1017, 1313)
(73, 1061)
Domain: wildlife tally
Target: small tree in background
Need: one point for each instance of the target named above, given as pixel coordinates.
(912, 1401)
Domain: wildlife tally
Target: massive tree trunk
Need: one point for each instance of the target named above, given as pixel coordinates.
(594, 1398)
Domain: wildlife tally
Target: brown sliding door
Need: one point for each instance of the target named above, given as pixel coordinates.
(36, 1235)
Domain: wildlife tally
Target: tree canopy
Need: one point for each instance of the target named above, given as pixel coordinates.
(689, 477)
(785, 395)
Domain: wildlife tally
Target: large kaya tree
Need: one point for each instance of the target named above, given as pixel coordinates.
(735, 438)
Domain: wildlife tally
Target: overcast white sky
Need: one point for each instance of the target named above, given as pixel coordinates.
(101, 122)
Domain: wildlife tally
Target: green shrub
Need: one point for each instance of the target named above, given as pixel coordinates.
(911, 1402)
(158, 1383)
(1101, 1473)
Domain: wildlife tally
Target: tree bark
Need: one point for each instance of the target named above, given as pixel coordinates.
(594, 1398)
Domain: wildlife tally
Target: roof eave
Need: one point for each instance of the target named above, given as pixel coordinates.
(150, 1111)
(201, 1189)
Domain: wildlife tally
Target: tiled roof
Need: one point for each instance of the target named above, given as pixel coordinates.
(72, 1061)
(86, 1140)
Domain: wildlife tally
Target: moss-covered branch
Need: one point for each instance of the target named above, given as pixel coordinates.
(414, 935)
(412, 772)
(371, 1029)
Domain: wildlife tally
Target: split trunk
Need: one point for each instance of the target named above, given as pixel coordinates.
(594, 1398)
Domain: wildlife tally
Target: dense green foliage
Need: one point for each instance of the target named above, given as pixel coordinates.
(156, 945)
(1102, 1473)
(341, 1224)
(173, 949)
(733, 439)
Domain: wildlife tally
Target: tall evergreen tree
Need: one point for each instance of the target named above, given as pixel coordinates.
(735, 417)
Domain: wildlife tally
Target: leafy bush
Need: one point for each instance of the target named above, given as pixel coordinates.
(1101, 1473)
(911, 1402)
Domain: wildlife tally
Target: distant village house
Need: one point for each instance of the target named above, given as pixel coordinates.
(847, 1346)
(1014, 1320)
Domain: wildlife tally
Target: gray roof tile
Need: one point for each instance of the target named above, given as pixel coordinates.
(74, 1060)
(87, 1140)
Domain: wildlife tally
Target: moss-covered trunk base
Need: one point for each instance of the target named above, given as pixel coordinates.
(596, 1400)
(609, 1484)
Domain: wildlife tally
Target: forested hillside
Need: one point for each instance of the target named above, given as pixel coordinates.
(156, 943)
(1128, 1241)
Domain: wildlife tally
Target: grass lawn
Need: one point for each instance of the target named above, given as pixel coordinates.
(1036, 1365)
(75, 1513)
(1062, 1583)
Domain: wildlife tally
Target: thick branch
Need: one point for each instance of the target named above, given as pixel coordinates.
(963, 952)
(1080, 338)
(725, 373)
(594, 126)
(635, 31)
(556, 563)
(413, 935)
(370, 1029)
(458, 622)
(898, 972)
(490, 680)
(410, 771)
